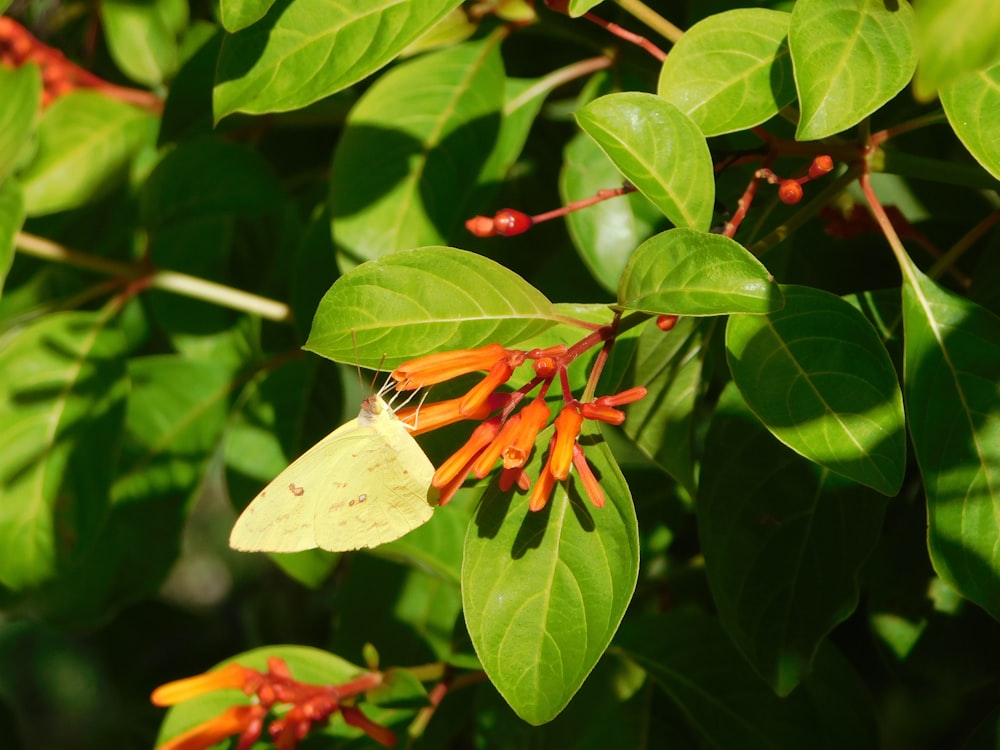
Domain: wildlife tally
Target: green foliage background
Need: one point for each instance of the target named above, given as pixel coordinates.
(800, 543)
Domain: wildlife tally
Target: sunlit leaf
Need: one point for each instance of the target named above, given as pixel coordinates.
(952, 384)
(954, 39)
(659, 149)
(816, 373)
(731, 71)
(544, 591)
(684, 272)
(970, 103)
(20, 91)
(305, 50)
(238, 14)
(415, 302)
(142, 37)
(850, 58)
(11, 219)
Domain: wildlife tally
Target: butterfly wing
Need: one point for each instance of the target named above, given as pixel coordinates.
(384, 489)
(364, 484)
(282, 517)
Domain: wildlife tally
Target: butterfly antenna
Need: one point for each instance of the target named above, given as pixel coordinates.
(357, 362)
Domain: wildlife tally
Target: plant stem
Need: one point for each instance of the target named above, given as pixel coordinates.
(173, 281)
(652, 19)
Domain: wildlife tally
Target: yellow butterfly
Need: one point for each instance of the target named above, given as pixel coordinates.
(364, 484)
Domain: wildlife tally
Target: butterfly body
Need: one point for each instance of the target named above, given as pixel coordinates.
(364, 484)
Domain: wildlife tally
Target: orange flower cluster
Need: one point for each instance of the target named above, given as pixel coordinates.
(311, 705)
(509, 437)
(60, 76)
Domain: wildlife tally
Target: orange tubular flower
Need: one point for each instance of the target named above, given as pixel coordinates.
(590, 483)
(437, 368)
(246, 721)
(543, 487)
(510, 477)
(461, 460)
(491, 453)
(230, 676)
(533, 419)
(625, 397)
(602, 413)
(499, 374)
(568, 425)
(427, 417)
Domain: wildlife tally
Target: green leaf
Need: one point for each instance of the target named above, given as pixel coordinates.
(659, 149)
(11, 220)
(684, 272)
(308, 665)
(85, 143)
(578, 7)
(954, 39)
(418, 301)
(142, 37)
(817, 375)
(969, 104)
(951, 376)
(850, 58)
(784, 541)
(731, 71)
(413, 148)
(669, 364)
(238, 14)
(305, 50)
(62, 403)
(606, 234)
(20, 91)
(690, 657)
(544, 592)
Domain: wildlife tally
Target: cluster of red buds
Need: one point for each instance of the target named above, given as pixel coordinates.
(310, 706)
(506, 434)
(60, 76)
(790, 189)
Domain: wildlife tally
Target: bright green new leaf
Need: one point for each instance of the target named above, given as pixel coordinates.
(62, 404)
(238, 14)
(684, 272)
(784, 541)
(670, 366)
(954, 39)
(731, 71)
(659, 149)
(817, 375)
(85, 143)
(544, 591)
(971, 104)
(142, 37)
(305, 50)
(418, 301)
(952, 382)
(578, 7)
(20, 92)
(850, 58)
(11, 220)
(606, 234)
(412, 150)
(692, 659)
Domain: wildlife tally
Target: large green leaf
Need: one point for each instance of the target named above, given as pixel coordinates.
(850, 58)
(952, 383)
(817, 375)
(954, 39)
(692, 659)
(305, 50)
(413, 148)
(415, 302)
(85, 143)
(605, 234)
(544, 591)
(970, 104)
(62, 403)
(142, 37)
(659, 149)
(238, 14)
(731, 71)
(11, 220)
(20, 91)
(669, 364)
(685, 272)
(784, 541)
